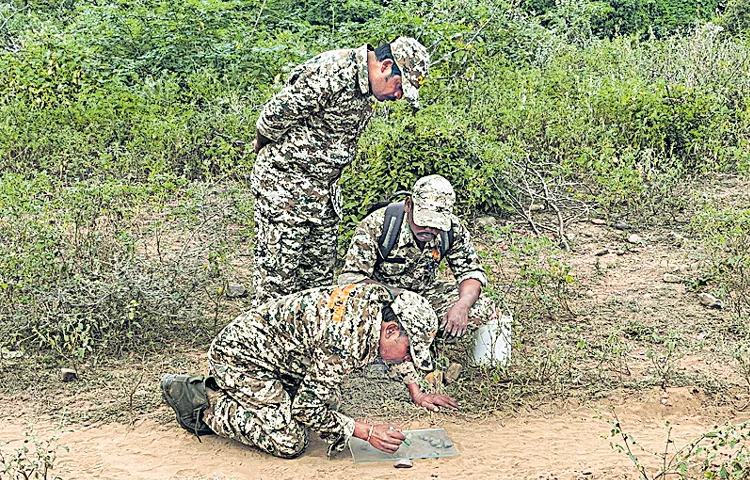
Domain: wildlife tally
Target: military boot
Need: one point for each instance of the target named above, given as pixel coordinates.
(186, 394)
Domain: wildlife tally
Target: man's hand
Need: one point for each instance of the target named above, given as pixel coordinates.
(433, 401)
(456, 319)
(256, 146)
(386, 438)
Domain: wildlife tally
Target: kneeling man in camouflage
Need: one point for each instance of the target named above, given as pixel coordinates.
(275, 371)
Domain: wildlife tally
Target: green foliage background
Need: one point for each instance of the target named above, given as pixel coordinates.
(115, 113)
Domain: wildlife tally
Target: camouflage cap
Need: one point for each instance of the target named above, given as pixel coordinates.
(420, 322)
(413, 60)
(433, 199)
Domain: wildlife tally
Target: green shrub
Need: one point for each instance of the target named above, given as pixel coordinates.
(84, 270)
(726, 234)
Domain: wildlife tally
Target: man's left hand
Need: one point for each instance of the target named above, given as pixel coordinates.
(433, 401)
(456, 320)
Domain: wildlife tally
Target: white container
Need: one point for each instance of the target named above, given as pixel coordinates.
(492, 342)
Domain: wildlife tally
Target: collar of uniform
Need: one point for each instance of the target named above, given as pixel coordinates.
(363, 78)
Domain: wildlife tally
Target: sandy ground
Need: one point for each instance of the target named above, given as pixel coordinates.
(566, 445)
(555, 440)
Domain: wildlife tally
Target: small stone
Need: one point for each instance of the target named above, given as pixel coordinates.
(447, 444)
(709, 300)
(9, 354)
(236, 290)
(675, 237)
(377, 368)
(570, 236)
(620, 225)
(598, 221)
(635, 238)
(435, 442)
(486, 221)
(674, 268)
(671, 278)
(453, 372)
(403, 463)
(68, 375)
(589, 293)
(535, 207)
(601, 253)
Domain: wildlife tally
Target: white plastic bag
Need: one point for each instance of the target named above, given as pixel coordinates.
(492, 342)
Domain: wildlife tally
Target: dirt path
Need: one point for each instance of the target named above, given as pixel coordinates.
(568, 445)
(624, 307)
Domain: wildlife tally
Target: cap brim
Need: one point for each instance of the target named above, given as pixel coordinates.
(421, 357)
(426, 218)
(411, 93)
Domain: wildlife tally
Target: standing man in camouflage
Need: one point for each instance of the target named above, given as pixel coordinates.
(428, 223)
(275, 371)
(306, 135)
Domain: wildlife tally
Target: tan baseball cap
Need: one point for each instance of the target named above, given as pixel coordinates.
(413, 60)
(420, 321)
(432, 200)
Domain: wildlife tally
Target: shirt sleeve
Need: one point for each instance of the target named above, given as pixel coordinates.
(306, 92)
(360, 260)
(404, 372)
(317, 398)
(463, 258)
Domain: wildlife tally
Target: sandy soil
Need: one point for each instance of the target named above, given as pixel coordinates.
(547, 440)
(571, 444)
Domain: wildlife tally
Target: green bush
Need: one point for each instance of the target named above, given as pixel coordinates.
(609, 18)
(726, 234)
(85, 271)
(109, 112)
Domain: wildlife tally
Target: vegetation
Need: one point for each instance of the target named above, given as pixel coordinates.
(125, 149)
(720, 453)
(26, 464)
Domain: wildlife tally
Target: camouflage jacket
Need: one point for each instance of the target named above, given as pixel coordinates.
(311, 339)
(408, 266)
(314, 124)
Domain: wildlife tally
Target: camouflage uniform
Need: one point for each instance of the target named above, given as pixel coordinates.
(314, 125)
(414, 269)
(278, 367)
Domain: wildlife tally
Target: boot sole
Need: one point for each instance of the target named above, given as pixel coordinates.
(167, 380)
(164, 383)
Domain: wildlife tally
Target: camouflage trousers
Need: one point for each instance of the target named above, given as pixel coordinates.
(253, 407)
(444, 294)
(291, 252)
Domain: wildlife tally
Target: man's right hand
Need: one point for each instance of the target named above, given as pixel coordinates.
(433, 401)
(386, 438)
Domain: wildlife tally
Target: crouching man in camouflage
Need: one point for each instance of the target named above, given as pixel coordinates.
(274, 372)
(402, 246)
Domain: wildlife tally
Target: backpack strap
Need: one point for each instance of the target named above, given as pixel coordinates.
(446, 242)
(394, 217)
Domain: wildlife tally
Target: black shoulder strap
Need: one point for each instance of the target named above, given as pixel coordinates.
(446, 242)
(394, 216)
